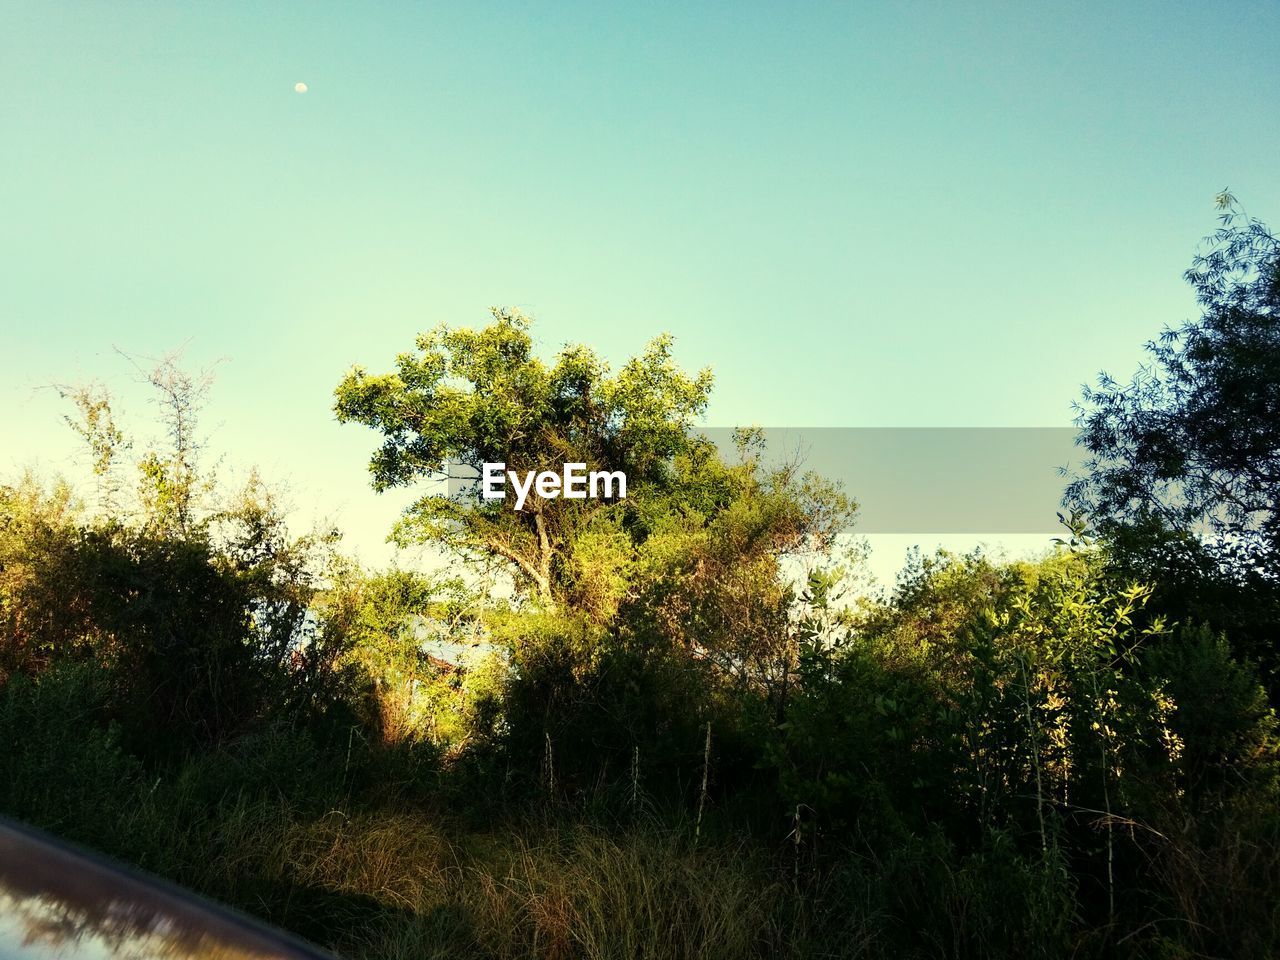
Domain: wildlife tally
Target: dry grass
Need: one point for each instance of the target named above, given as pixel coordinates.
(576, 893)
(647, 895)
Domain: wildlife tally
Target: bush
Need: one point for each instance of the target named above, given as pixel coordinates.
(62, 766)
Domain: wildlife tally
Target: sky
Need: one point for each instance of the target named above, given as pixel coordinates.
(858, 214)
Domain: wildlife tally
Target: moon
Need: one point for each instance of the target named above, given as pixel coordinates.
(300, 87)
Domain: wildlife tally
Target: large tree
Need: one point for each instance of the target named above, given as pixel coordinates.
(1192, 442)
(469, 397)
(678, 550)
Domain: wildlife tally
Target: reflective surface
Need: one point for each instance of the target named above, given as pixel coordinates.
(56, 902)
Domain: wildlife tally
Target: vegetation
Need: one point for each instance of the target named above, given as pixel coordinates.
(664, 726)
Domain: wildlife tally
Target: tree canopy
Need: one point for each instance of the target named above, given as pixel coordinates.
(466, 397)
(1192, 442)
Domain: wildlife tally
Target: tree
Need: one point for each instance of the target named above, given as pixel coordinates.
(470, 397)
(95, 424)
(1192, 442)
(641, 608)
(171, 484)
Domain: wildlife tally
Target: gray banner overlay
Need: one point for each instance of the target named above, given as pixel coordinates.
(935, 480)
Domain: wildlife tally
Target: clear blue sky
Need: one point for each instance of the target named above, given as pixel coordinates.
(858, 214)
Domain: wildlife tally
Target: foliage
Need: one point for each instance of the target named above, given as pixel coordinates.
(631, 607)
(62, 763)
(678, 734)
(470, 397)
(982, 695)
(1185, 459)
(1194, 438)
(1223, 717)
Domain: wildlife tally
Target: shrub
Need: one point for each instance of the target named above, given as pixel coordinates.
(62, 766)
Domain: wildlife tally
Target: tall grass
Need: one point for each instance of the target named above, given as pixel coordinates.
(648, 895)
(308, 837)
